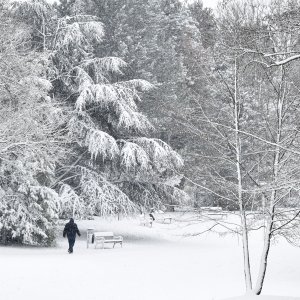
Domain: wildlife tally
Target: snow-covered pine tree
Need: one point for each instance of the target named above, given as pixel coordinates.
(161, 43)
(29, 138)
(116, 166)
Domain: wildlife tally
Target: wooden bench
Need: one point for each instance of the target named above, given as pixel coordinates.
(106, 237)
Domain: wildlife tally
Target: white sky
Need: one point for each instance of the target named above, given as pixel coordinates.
(210, 3)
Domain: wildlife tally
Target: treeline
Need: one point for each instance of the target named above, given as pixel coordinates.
(113, 106)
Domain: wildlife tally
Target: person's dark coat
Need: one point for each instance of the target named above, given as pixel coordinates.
(152, 217)
(70, 231)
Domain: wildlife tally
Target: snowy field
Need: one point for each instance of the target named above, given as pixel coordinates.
(154, 263)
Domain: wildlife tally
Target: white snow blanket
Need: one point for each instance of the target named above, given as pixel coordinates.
(154, 264)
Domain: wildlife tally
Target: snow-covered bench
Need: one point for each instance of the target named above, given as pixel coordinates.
(146, 221)
(213, 211)
(164, 219)
(107, 237)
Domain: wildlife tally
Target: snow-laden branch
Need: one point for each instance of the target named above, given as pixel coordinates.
(120, 98)
(133, 155)
(160, 153)
(285, 61)
(101, 143)
(105, 65)
(78, 34)
(103, 196)
(38, 8)
(295, 56)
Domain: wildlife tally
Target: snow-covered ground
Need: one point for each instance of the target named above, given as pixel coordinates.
(154, 263)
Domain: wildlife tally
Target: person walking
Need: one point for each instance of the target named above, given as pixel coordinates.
(70, 231)
(151, 214)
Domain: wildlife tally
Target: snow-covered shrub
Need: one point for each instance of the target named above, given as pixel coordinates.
(29, 217)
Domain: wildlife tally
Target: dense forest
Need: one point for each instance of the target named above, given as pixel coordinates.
(117, 106)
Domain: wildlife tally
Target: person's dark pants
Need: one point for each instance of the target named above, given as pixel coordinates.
(71, 241)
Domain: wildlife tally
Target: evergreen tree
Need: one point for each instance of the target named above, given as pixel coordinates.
(205, 22)
(117, 167)
(161, 42)
(30, 143)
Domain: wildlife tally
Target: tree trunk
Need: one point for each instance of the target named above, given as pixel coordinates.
(270, 220)
(3, 238)
(247, 269)
(264, 258)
